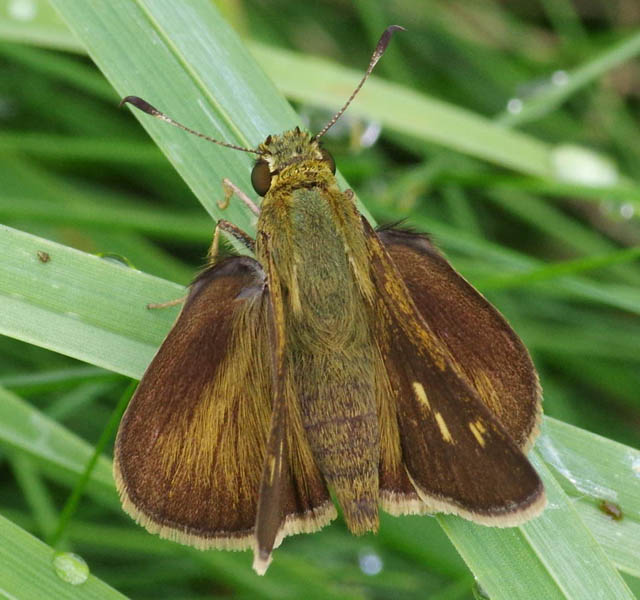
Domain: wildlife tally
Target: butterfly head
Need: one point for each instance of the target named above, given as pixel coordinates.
(281, 154)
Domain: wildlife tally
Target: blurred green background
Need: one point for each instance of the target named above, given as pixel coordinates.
(544, 223)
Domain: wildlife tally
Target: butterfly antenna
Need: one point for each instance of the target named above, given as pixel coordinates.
(383, 42)
(144, 106)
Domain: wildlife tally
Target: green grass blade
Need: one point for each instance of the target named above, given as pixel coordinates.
(591, 469)
(56, 379)
(554, 95)
(25, 430)
(37, 23)
(619, 539)
(27, 573)
(561, 269)
(308, 80)
(68, 304)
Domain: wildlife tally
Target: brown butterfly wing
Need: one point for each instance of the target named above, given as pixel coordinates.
(191, 447)
(456, 454)
(489, 353)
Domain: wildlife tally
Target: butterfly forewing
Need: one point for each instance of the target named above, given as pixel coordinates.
(487, 351)
(458, 457)
(191, 447)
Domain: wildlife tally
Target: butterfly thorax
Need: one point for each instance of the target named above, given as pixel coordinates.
(316, 242)
(309, 220)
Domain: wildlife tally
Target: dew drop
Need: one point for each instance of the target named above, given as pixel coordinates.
(580, 165)
(514, 106)
(626, 210)
(70, 567)
(116, 259)
(370, 563)
(370, 134)
(478, 591)
(22, 10)
(560, 78)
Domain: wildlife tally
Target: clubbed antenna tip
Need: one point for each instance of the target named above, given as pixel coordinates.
(145, 107)
(139, 103)
(381, 46)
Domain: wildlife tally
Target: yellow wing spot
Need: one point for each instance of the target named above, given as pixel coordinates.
(421, 395)
(444, 430)
(478, 429)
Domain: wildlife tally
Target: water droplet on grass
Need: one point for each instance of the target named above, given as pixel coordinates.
(70, 567)
(514, 106)
(626, 210)
(370, 563)
(22, 10)
(478, 591)
(560, 78)
(583, 166)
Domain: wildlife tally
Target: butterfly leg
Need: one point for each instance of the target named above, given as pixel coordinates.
(169, 304)
(230, 189)
(212, 255)
(244, 238)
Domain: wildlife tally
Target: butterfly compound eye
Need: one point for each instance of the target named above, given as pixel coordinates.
(326, 156)
(261, 177)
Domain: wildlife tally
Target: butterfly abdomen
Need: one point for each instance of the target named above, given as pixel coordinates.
(341, 424)
(331, 357)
